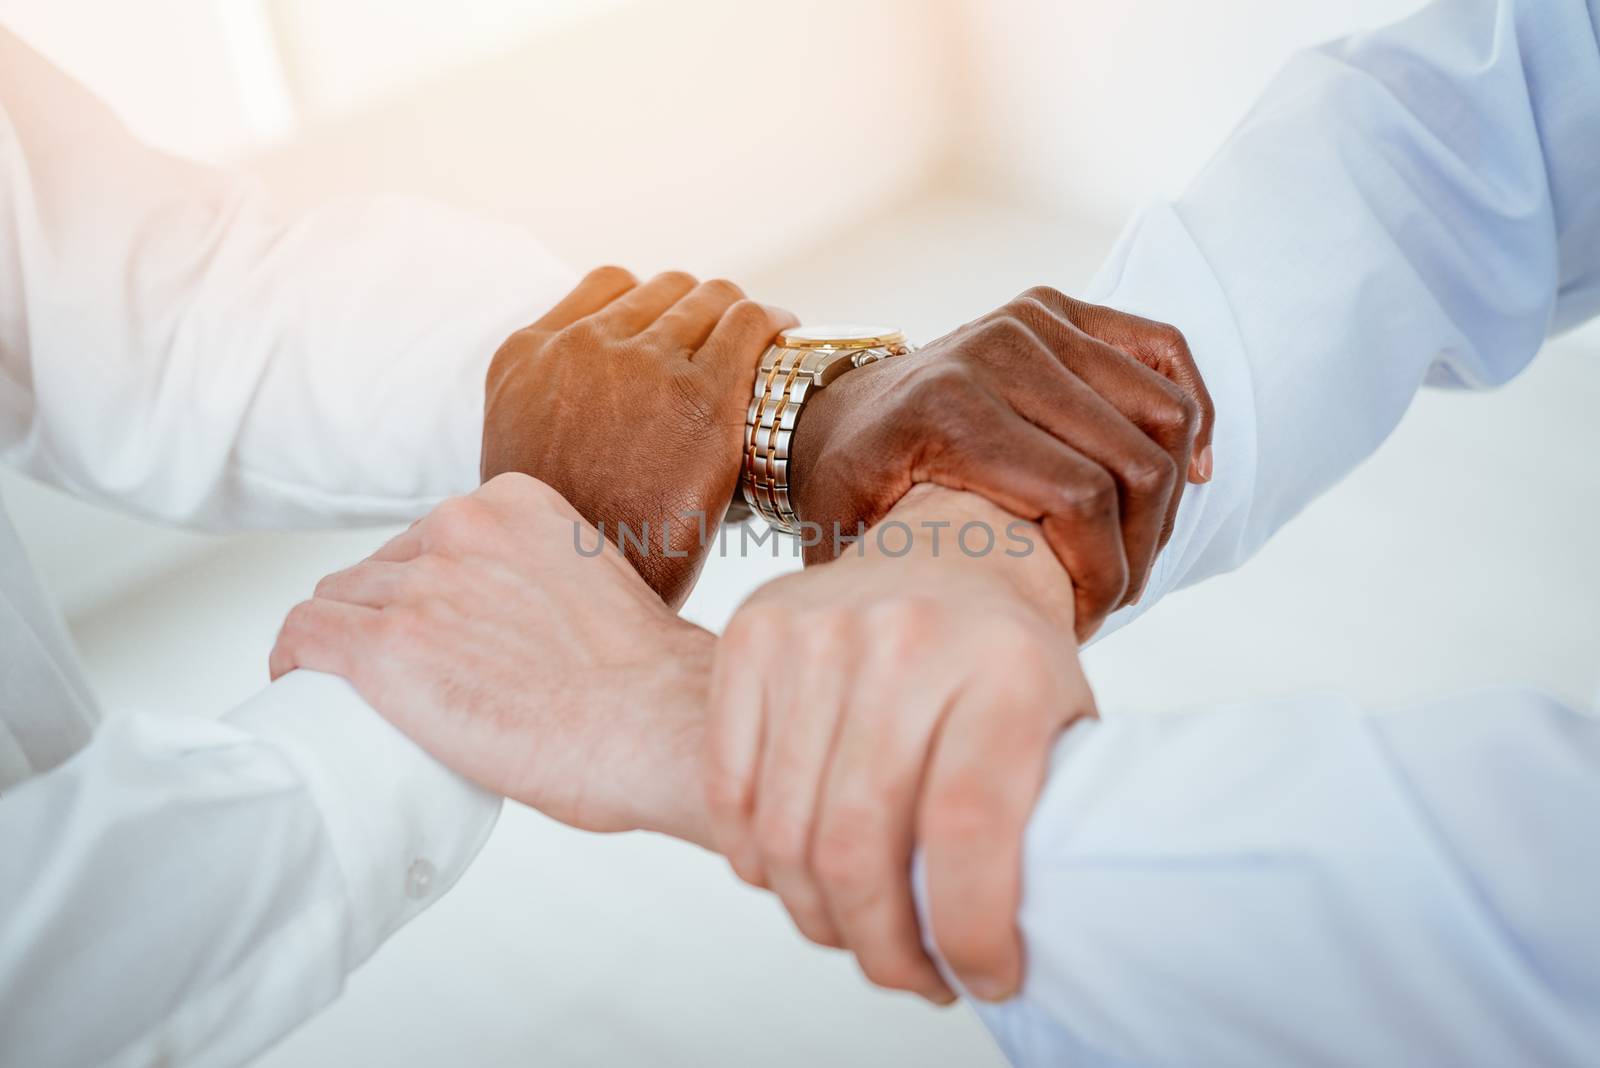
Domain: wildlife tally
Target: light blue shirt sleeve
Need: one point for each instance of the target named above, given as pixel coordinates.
(1416, 205)
(1297, 882)
(1301, 881)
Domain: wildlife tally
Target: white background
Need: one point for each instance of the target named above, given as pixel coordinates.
(961, 150)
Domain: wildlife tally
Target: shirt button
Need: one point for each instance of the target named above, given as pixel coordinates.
(419, 880)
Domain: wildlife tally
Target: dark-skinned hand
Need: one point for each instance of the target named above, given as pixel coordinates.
(1082, 417)
(629, 400)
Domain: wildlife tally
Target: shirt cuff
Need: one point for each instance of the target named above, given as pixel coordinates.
(403, 826)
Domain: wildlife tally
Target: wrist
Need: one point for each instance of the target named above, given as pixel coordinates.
(811, 406)
(964, 529)
(805, 448)
(668, 796)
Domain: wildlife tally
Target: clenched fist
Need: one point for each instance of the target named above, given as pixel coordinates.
(1083, 417)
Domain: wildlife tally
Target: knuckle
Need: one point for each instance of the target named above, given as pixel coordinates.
(841, 848)
(745, 638)
(722, 289)
(1028, 314)
(825, 638)
(582, 337)
(939, 386)
(1019, 650)
(961, 813)
(750, 317)
(426, 572)
(514, 483)
(519, 341)
(784, 837)
(725, 790)
(642, 348)
(1169, 341)
(966, 945)
(1011, 633)
(610, 276)
(298, 622)
(1049, 296)
(538, 492)
(1177, 414)
(1026, 681)
(400, 626)
(891, 970)
(1011, 331)
(456, 520)
(1152, 474)
(1090, 497)
(816, 927)
(517, 349)
(749, 870)
(755, 629)
(520, 494)
(901, 622)
(677, 279)
(1191, 408)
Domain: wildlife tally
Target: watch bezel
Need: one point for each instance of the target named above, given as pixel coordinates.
(867, 338)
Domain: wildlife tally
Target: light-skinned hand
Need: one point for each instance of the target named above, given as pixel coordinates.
(893, 700)
(539, 671)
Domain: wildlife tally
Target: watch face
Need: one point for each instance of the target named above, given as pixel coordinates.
(839, 335)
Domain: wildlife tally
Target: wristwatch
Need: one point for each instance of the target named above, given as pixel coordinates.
(800, 362)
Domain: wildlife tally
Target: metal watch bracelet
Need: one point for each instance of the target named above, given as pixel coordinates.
(798, 364)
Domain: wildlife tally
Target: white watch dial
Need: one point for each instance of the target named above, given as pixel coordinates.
(842, 334)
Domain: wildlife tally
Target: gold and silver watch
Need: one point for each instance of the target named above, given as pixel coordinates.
(799, 363)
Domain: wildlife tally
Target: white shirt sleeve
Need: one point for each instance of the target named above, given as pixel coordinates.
(183, 889)
(186, 890)
(1419, 204)
(168, 342)
(1298, 881)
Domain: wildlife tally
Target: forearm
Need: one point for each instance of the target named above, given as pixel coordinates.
(669, 797)
(1264, 883)
(1417, 204)
(170, 342)
(238, 868)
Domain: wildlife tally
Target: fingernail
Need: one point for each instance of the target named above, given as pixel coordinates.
(1202, 464)
(990, 989)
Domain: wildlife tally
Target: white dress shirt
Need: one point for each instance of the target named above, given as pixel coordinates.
(177, 889)
(1304, 881)
(1265, 884)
